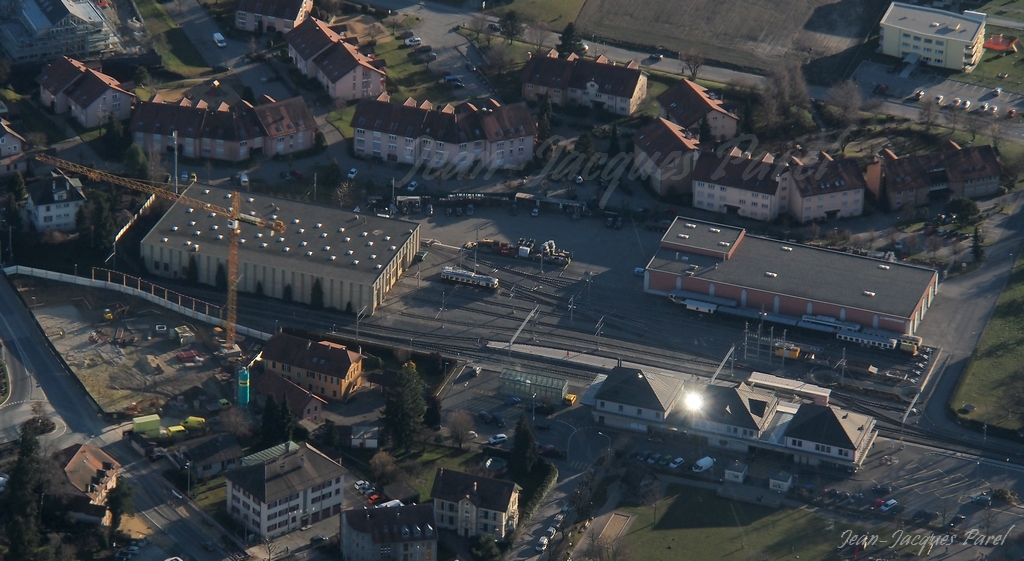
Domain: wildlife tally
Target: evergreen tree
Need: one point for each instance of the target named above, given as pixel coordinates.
(16, 188)
(285, 423)
(405, 406)
(136, 164)
(12, 214)
(270, 422)
(221, 278)
(571, 41)
(22, 535)
(316, 296)
(102, 220)
(248, 95)
(704, 132)
(585, 145)
(977, 250)
(545, 107)
(113, 137)
(329, 434)
(614, 145)
(543, 129)
(81, 221)
(119, 501)
(192, 274)
(141, 76)
(524, 448)
(484, 549)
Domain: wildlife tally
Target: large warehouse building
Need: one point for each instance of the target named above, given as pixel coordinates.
(723, 266)
(356, 257)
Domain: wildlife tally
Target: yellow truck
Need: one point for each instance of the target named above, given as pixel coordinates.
(570, 399)
(193, 423)
(792, 351)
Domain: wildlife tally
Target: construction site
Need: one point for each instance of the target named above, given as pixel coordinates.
(132, 357)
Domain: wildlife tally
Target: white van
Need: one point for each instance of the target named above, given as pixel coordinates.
(219, 39)
(703, 464)
(389, 504)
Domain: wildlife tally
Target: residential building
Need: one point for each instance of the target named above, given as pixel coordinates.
(328, 369)
(824, 189)
(932, 35)
(271, 15)
(40, 30)
(221, 132)
(90, 474)
(348, 74)
(308, 40)
(475, 132)
(279, 495)
(210, 455)
(665, 153)
(12, 151)
(636, 400)
(472, 505)
(822, 434)
(599, 83)
(304, 404)
(687, 104)
(52, 203)
(92, 97)
(403, 533)
(912, 181)
(733, 417)
(738, 184)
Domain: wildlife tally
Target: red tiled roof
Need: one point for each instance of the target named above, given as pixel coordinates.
(665, 137)
(479, 120)
(826, 175)
(951, 165)
(283, 9)
(86, 465)
(285, 117)
(687, 103)
(311, 37)
(611, 79)
(91, 86)
(60, 74)
(322, 357)
(757, 176)
(285, 390)
(338, 60)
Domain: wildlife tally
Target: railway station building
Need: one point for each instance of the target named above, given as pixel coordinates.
(719, 267)
(356, 258)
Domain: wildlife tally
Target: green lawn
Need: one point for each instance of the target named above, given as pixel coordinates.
(211, 496)
(34, 120)
(994, 63)
(1006, 9)
(693, 523)
(994, 376)
(553, 14)
(342, 120)
(411, 78)
(178, 52)
(422, 466)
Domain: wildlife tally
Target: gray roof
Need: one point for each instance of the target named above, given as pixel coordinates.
(922, 19)
(830, 425)
(631, 386)
(811, 273)
(738, 407)
(324, 231)
(212, 449)
(269, 453)
(287, 474)
(690, 234)
(485, 492)
(410, 523)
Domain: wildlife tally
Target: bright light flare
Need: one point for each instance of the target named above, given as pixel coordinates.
(693, 401)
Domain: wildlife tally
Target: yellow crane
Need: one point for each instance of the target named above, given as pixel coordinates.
(234, 216)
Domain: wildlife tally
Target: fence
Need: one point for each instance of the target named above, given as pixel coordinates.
(145, 206)
(139, 288)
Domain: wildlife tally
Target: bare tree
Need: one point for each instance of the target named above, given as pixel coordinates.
(499, 57)
(928, 116)
(157, 169)
(956, 248)
(814, 231)
(652, 496)
(180, 5)
(36, 139)
(995, 129)
(237, 422)
(393, 20)
(944, 507)
(973, 125)
(693, 60)
(872, 238)
(344, 194)
(892, 235)
(376, 31)
(477, 24)
(952, 116)
(270, 547)
(384, 468)
(252, 43)
(846, 98)
(934, 246)
(535, 35)
(460, 423)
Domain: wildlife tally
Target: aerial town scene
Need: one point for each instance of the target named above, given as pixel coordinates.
(511, 280)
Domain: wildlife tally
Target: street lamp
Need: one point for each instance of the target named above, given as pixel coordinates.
(533, 406)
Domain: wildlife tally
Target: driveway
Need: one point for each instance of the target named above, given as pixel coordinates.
(200, 27)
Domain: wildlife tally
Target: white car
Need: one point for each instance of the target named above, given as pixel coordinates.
(535, 212)
(542, 544)
(412, 186)
(413, 41)
(352, 173)
(550, 533)
(497, 439)
(219, 40)
(361, 484)
(676, 463)
(703, 464)
(471, 435)
(889, 505)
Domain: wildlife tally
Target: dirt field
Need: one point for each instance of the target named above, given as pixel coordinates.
(747, 33)
(119, 376)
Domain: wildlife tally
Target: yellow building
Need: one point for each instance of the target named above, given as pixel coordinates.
(936, 37)
(327, 369)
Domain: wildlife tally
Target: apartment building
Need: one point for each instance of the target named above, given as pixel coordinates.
(688, 104)
(954, 171)
(483, 130)
(53, 202)
(403, 533)
(92, 97)
(282, 494)
(934, 36)
(89, 476)
(823, 189)
(12, 151)
(665, 154)
(739, 184)
(40, 30)
(599, 83)
(328, 369)
(308, 40)
(304, 404)
(472, 505)
(318, 50)
(271, 15)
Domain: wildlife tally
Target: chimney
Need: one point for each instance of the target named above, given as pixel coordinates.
(287, 445)
(474, 487)
(302, 461)
(308, 344)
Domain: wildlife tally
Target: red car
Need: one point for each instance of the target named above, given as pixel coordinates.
(374, 499)
(877, 503)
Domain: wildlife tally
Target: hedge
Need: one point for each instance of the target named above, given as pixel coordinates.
(550, 478)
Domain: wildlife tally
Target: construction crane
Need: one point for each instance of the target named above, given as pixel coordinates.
(234, 216)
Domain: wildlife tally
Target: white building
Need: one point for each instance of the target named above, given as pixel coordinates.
(52, 204)
(934, 36)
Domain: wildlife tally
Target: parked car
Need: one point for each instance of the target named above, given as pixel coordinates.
(876, 503)
(657, 56)
(535, 212)
(497, 439)
(514, 400)
(406, 34)
(493, 26)
(983, 500)
(938, 99)
(653, 459)
(413, 41)
(499, 420)
(957, 520)
(352, 173)
(703, 464)
(317, 540)
(427, 57)
(542, 544)
(471, 435)
(360, 484)
(424, 49)
(882, 489)
(412, 185)
(642, 456)
(543, 426)
(1011, 113)
(548, 450)
(550, 533)
(471, 67)
(889, 505)
(374, 498)
(219, 40)
(676, 463)
(485, 417)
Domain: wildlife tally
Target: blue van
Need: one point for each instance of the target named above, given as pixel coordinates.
(498, 420)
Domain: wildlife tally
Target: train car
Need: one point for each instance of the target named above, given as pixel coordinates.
(826, 323)
(468, 277)
(867, 339)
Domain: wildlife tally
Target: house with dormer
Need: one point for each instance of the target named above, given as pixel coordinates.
(823, 188)
(308, 40)
(954, 171)
(303, 403)
(636, 400)
(826, 434)
(665, 153)
(688, 104)
(598, 83)
(53, 203)
(734, 417)
(473, 505)
(92, 97)
(89, 476)
(12, 151)
(328, 369)
(402, 533)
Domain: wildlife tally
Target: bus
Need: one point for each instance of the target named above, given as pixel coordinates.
(468, 277)
(867, 339)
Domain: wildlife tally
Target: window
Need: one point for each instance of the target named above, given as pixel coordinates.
(602, 405)
(928, 41)
(529, 86)
(917, 39)
(391, 137)
(797, 443)
(620, 408)
(360, 131)
(639, 411)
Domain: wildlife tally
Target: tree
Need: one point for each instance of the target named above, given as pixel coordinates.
(499, 57)
(405, 406)
(845, 97)
(614, 144)
(928, 116)
(383, 467)
(286, 422)
(268, 543)
(934, 246)
(511, 26)
(16, 191)
(693, 59)
(119, 501)
(136, 164)
(524, 448)
(270, 422)
(5, 71)
(81, 221)
(995, 129)
(536, 34)
(221, 278)
(973, 125)
(704, 133)
(951, 117)
(965, 209)
(102, 220)
(236, 421)
(543, 129)
(977, 250)
(571, 41)
(192, 274)
(584, 145)
(252, 45)
(36, 140)
(141, 76)
(956, 248)
(316, 295)
(157, 171)
(113, 137)
(477, 24)
(484, 549)
(329, 434)
(460, 423)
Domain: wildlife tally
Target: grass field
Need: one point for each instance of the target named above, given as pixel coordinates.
(1006, 9)
(178, 52)
(693, 523)
(740, 33)
(422, 466)
(994, 63)
(994, 381)
(411, 78)
(34, 120)
(553, 14)
(342, 120)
